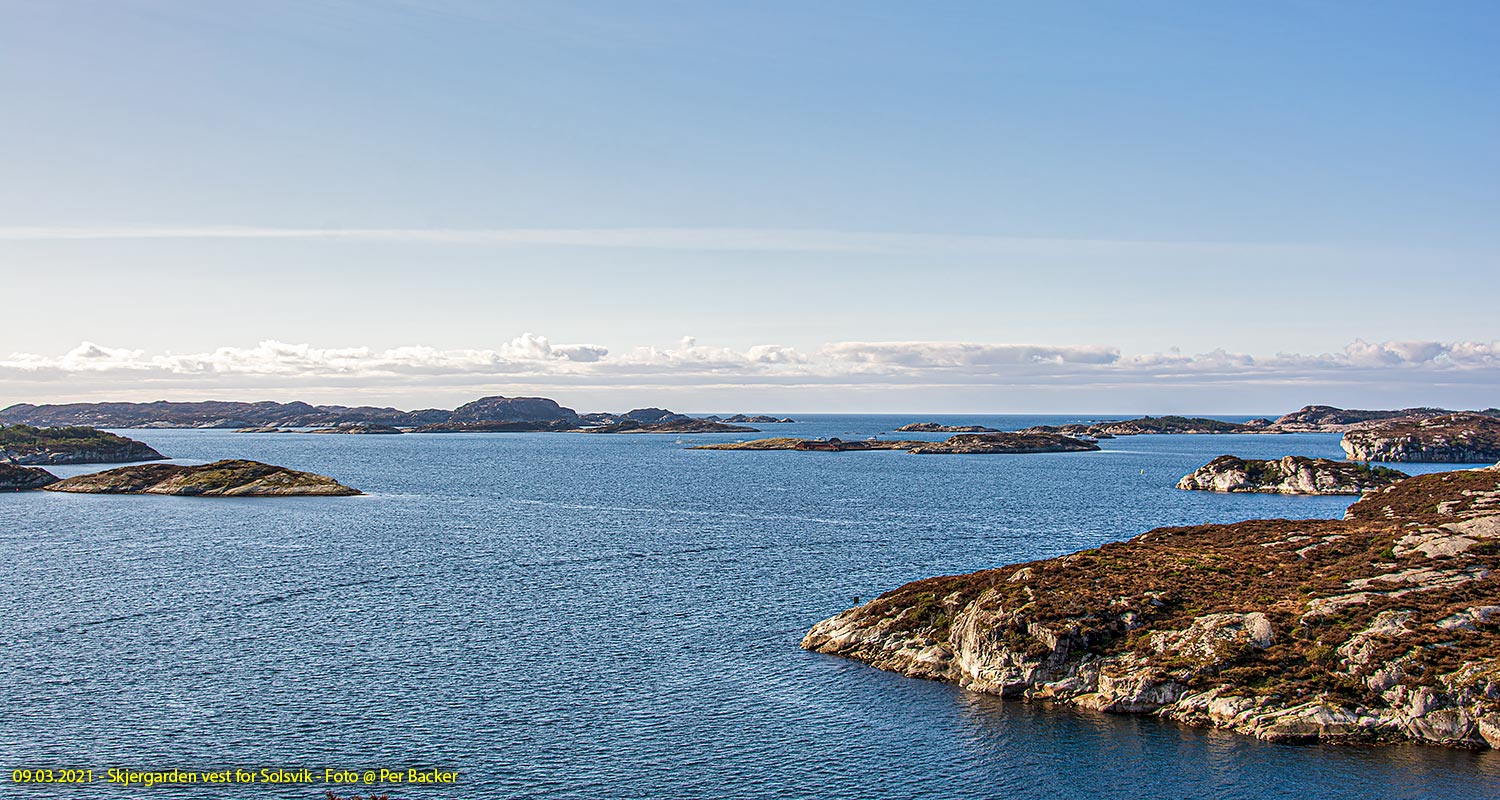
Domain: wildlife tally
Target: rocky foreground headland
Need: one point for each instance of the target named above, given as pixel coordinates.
(1383, 626)
(1288, 475)
(229, 478)
(24, 444)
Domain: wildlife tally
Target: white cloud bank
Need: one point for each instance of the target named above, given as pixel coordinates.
(536, 363)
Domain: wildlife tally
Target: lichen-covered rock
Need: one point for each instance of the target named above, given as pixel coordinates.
(1289, 630)
(1451, 438)
(231, 478)
(1289, 475)
(15, 478)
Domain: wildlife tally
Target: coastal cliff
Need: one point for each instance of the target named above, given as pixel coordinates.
(24, 444)
(1452, 438)
(1383, 626)
(1289, 475)
(230, 478)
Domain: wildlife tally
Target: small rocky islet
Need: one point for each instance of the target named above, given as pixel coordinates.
(1288, 475)
(1383, 626)
(966, 443)
(227, 478)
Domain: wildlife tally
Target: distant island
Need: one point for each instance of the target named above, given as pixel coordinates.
(971, 443)
(1364, 430)
(230, 478)
(1289, 475)
(934, 427)
(685, 425)
(495, 414)
(1383, 626)
(24, 444)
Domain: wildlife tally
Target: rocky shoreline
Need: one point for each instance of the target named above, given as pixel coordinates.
(24, 444)
(1383, 626)
(1288, 475)
(1448, 438)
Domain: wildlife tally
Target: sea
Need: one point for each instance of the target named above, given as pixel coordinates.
(599, 616)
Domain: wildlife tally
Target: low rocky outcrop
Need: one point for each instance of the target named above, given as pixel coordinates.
(1451, 438)
(1018, 443)
(14, 478)
(936, 427)
(230, 478)
(1383, 626)
(360, 428)
(677, 425)
(755, 419)
(495, 426)
(965, 443)
(1289, 475)
(834, 445)
(24, 444)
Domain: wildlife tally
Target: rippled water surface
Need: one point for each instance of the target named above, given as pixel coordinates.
(562, 615)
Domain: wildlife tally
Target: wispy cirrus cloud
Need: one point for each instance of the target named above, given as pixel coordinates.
(698, 239)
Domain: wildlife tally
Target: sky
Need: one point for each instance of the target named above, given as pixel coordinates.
(954, 207)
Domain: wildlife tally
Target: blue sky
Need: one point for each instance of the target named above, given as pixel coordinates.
(884, 206)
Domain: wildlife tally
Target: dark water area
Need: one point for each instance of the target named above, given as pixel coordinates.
(564, 615)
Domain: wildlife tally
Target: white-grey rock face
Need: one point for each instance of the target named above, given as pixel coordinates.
(1289, 475)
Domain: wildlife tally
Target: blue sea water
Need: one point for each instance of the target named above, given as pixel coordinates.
(573, 616)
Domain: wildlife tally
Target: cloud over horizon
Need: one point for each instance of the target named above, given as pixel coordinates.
(534, 361)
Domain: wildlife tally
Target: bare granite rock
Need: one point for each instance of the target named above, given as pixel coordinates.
(1289, 475)
(1451, 438)
(1383, 626)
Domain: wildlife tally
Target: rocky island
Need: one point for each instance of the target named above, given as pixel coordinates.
(1330, 419)
(1289, 475)
(1383, 626)
(24, 444)
(229, 478)
(935, 427)
(1145, 426)
(753, 419)
(682, 425)
(360, 429)
(834, 445)
(1452, 438)
(1018, 443)
(15, 478)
